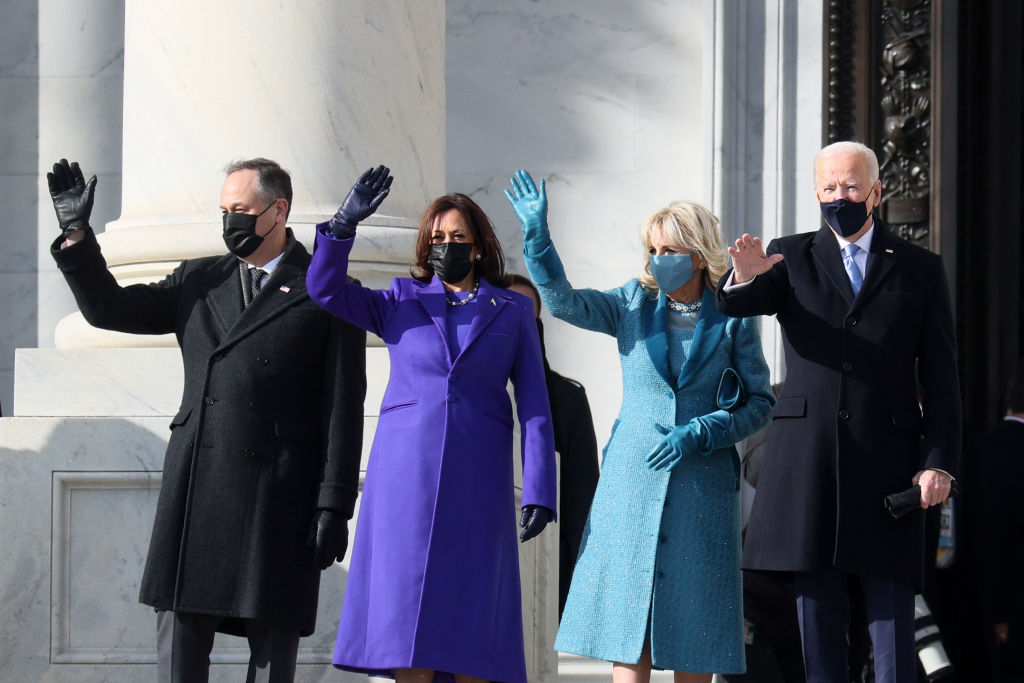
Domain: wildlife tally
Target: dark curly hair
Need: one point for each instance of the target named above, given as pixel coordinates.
(491, 265)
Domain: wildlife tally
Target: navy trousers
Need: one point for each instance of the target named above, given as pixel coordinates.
(823, 608)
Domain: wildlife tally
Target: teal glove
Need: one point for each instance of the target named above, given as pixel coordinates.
(680, 442)
(531, 207)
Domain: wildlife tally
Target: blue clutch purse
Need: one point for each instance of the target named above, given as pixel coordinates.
(731, 394)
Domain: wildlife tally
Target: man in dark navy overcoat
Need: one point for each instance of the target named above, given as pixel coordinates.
(865, 316)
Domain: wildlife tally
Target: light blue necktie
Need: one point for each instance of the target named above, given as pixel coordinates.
(852, 269)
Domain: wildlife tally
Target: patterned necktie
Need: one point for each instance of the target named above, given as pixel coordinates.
(256, 279)
(852, 269)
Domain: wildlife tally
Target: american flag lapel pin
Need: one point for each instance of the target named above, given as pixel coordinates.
(285, 288)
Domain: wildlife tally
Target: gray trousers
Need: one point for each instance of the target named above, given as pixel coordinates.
(184, 642)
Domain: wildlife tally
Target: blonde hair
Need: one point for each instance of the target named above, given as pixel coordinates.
(690, 226)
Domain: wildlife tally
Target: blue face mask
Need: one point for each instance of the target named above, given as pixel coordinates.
(844, 216)
(671, 271)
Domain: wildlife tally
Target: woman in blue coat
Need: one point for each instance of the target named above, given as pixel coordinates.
(433, 587)
(658, 583)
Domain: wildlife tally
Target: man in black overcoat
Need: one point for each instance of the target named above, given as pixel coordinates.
(261, 472)
(861, 326)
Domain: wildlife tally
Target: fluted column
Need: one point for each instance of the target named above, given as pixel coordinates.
(325, 88)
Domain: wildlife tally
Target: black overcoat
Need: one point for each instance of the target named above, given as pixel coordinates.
(269, 430)
(848, 428)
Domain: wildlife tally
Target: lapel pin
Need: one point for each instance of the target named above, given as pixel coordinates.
(285, 288)
(888, 251)
(492, 302)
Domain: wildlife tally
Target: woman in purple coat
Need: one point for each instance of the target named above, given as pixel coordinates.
(433, 588)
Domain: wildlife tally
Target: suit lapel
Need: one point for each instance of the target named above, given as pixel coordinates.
(490, 302)
(885, 252)
(710, 328)
(655, 329)
(431, 296)
(224, 293)
(826, 253)
(285, 288)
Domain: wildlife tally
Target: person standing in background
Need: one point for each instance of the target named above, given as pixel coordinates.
(576, 445)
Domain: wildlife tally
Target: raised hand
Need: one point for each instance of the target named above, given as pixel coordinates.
(362, 200)
(749, 260)
(533, 521)
(72, 196)
(531, 207)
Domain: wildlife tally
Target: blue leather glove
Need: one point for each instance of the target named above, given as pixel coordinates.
(681, 442)
(362, 200)
(533, 521)
(531, 207)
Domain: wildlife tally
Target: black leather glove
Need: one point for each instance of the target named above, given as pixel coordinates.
(329, 537)
(362, 200)
(72, 196)
(533, 521)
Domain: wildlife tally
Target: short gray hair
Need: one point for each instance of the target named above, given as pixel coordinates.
(850, 147)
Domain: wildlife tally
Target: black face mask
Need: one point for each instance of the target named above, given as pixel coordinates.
(844, 216)
(451, 261)
(240, 232)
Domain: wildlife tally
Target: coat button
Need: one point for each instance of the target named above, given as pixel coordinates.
(253, 405)
(851, 322)
(847, 366)
(844, 414)
(262, 361)
(661, 574)
(451, 398)
(210, 400)
(663, 538)
(248, 453)
(217, 357)
(452, 377)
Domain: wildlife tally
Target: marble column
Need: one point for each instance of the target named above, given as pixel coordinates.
(327, 90)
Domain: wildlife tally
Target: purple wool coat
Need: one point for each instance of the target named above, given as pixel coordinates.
(434, 576)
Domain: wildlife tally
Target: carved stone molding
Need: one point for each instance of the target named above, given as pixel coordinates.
(880, 91)
(904, 150)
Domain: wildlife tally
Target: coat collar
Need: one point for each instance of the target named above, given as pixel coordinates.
(710, 327)
(285, 288)
(886, 250)
(490, 301)
(829, 258)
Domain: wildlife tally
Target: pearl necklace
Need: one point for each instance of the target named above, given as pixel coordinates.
(684, 307)
(463, 302)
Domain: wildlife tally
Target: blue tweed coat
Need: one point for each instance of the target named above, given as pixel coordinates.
(661, 551)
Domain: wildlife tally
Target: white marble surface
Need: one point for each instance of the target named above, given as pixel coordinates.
(604, 99)
(70, 572)
(127, 382)
(328, 91)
